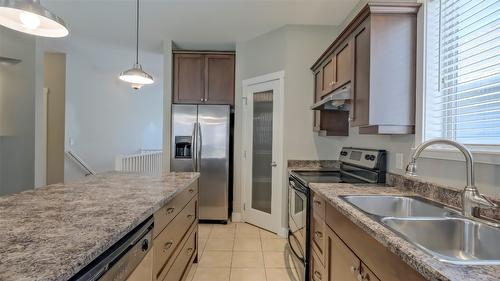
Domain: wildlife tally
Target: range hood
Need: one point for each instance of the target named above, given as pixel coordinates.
(338, 100)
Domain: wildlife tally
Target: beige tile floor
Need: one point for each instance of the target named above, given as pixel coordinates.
(241, 252)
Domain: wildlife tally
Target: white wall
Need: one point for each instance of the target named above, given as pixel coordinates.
(293, 49)
(104, 116)
(17, 112)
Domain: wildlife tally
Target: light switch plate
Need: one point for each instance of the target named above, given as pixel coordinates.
(399, 161)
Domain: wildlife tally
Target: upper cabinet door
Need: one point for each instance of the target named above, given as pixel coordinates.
(343, 66)
(219, 79)
(361, 92)
(328, 71)
(189, 75)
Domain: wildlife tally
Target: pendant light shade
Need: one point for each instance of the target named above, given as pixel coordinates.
(29, 16)
(136, 76)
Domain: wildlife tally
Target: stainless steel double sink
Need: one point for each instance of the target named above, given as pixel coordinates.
(440, 231)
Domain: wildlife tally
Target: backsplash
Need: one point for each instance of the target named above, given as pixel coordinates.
(444, 194)
(313, 164)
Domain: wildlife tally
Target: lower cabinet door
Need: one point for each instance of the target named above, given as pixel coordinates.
(144, 271)
(342, 263)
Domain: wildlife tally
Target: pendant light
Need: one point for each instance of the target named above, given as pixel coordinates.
(136, 76)
(29, 16)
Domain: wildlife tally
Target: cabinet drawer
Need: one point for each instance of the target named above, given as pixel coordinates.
(165, 215)
(169, 239)
(318, 206)
(318, 237)
(181, 266)
(318, 272)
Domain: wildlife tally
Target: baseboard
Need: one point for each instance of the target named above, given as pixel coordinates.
(236, 217)
(283, 232)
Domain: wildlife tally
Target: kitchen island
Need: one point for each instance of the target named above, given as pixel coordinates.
(52, 232)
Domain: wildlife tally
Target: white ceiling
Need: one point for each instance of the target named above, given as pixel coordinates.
(202, 24)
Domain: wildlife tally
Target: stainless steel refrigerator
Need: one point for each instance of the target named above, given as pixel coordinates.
(200, 142)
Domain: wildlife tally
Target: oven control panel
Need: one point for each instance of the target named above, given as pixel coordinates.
(366, 158)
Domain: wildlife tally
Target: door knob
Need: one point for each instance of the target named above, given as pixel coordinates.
(273, 164)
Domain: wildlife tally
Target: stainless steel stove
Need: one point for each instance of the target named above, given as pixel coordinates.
(356, 165)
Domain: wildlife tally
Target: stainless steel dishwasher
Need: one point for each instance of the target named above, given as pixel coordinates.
(120, 260)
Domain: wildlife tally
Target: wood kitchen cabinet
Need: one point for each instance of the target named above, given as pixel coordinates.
(219, 79)
(335, 73)
(375, 53)
(203, 78)
(348, 253)
(189, 75)
(175, 243)
(342, 263)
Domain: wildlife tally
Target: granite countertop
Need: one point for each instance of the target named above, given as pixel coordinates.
(51, 233)
(429, 267)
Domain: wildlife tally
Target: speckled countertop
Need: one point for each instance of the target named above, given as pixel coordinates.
(51, 233)
(430, 268)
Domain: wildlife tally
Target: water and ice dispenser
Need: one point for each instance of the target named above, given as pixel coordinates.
(183, 147)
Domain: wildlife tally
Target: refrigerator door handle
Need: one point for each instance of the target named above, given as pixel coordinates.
(199, 143)
(193, 146)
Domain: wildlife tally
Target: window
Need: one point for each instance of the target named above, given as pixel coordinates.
(462, 73)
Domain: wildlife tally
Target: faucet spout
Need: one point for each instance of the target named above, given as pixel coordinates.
(472, 200)
(469, 163)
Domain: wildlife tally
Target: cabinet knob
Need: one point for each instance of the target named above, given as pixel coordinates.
(317, 275)
(191, 190)
(318, 203)
(318, 235)
(189, 216)
(354, 269)
(170, 210)
(167, 245)
(189, 251)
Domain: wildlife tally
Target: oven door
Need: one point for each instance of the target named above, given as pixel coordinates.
(297, 223)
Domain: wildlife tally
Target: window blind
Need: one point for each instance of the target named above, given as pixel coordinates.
(462, 99)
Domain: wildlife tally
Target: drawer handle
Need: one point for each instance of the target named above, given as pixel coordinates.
(189, 251)
(189, 216)
(363, 277)
(317, 202)
(317, 274)
(318, 235)
(168, 245)
(191, 190)
(170, 210)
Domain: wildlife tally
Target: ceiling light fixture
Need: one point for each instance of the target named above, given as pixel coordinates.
(29, 16)
(136, 76)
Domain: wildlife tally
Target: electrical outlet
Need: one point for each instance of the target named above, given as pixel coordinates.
(399, 161)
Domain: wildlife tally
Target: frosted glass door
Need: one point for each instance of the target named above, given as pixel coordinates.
(262, 151)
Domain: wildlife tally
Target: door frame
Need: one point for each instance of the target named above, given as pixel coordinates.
(278, 194)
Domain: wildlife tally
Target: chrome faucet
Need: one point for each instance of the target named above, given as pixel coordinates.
(472, 200)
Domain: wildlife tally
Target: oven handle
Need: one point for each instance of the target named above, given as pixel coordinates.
(290, 234)
(294, 187)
